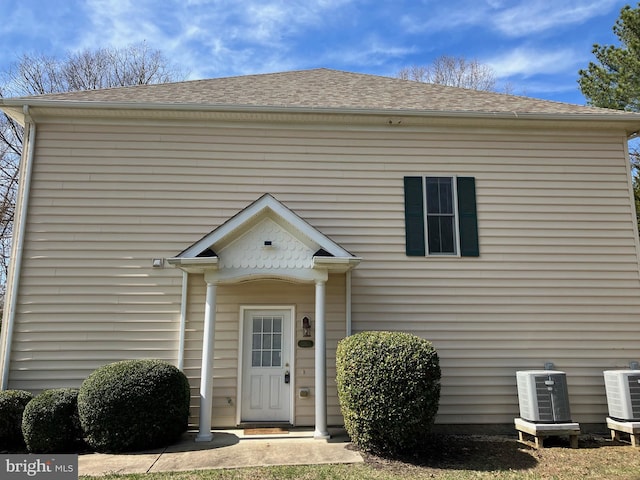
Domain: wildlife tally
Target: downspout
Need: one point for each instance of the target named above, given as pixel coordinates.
(348, 300)
(18, 241)
(183, 320)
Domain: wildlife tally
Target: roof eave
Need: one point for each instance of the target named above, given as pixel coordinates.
(14, 108)
(15, 112)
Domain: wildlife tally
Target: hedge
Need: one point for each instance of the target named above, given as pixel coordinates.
(134, 405)
(12, 404)
(389, 390)
(50, 422)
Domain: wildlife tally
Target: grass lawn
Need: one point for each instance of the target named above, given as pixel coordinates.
(455, 458)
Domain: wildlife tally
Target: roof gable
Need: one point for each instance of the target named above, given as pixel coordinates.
(268, 244)
(246, 221)
(265, 239)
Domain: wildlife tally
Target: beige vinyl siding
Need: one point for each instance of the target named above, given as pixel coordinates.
(557, 278)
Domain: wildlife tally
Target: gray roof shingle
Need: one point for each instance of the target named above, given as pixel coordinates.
(323, 89)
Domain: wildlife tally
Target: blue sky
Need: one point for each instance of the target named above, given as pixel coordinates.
(534, 46)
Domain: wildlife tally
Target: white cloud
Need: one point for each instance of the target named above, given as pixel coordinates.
(27, 28)
(209, 37)
(536, 16)
(117, 23)
(442, 17)
(369, 52)
(266, 22)
(511, 18)
(527, 61)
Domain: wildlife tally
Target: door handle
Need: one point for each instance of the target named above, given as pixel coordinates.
(287, 377)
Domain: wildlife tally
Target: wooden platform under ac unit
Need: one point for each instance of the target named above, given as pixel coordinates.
(540, 431)
(632, 428)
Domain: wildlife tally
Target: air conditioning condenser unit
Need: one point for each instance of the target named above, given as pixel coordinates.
(543, 396)
(623, 394)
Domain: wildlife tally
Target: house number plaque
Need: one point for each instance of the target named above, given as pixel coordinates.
(305, 343)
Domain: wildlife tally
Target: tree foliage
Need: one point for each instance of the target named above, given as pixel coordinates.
(36, 74)
(613, 81)
(454, 72)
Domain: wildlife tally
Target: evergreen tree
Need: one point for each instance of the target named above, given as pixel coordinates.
(614, 81)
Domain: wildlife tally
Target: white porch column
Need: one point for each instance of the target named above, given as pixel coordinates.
(321, 364)
(206, 371)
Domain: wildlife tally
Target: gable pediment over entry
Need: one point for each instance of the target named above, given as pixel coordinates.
(265, 240)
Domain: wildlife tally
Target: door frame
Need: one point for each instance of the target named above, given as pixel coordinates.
(292, 382)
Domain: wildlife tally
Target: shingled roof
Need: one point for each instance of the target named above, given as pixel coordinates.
(318, 89)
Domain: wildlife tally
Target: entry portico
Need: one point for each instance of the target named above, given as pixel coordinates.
(264, 241)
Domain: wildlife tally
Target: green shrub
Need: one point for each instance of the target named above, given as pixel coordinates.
(134, 405)
(50, 422)
(12, 403)
(389, 389)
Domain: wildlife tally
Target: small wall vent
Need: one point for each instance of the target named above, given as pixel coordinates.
(623, 394)
(543, 396)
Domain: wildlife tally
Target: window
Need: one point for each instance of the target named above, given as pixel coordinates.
(440, 216)
(266, 344)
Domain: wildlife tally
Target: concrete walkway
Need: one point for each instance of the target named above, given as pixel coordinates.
(228, 449)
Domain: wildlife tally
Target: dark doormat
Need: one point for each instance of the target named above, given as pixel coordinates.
(265, 431)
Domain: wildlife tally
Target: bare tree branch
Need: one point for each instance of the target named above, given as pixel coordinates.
(454, 72)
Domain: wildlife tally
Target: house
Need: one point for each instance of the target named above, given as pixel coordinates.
(240, 227)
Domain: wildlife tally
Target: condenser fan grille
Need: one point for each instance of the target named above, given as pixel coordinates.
(551, 393)
(634, 393)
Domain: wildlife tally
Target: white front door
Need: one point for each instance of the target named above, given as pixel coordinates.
(266, 366)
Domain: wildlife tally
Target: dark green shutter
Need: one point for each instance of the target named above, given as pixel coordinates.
(414, 216)
(467, 217)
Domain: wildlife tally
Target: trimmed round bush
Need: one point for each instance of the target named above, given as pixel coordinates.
(12, 403)
(50, 422)
(389, 390)
(134, 405)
